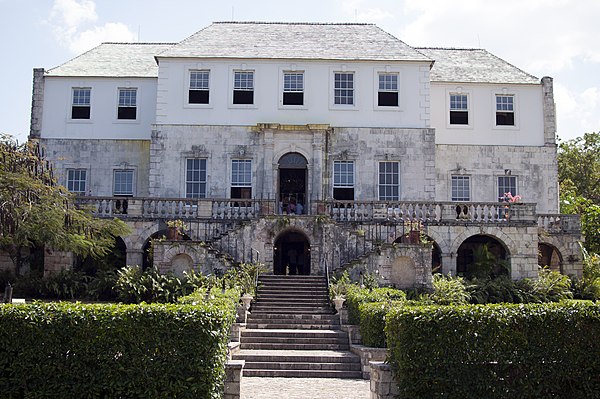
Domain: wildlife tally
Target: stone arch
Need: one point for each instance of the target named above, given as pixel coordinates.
(466, 256)
(180, 256)
(292, 252)
(493, 232)
(550, 256)
(181, 263)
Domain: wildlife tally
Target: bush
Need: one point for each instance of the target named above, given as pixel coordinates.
(496, 351)
(372, 322)
(355, 296)
(553, 286)
(588, 287)
(449, 290)
(114, 351)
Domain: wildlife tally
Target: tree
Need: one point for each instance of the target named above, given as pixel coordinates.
(35, 211)
(579, 163)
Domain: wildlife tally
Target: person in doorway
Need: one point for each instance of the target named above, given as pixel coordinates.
(292, 206)
(293, 258)
(299, 208)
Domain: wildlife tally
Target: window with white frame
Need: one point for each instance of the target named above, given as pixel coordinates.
(199, 87)
(387, 95)
(127, 108)
(77, 180)
(241, 178)
(343, 180)
(459, 109)
(389, 181)
(123, 183)
(461, 188)
(343, 88)
(293, 88)
(243, 87)
(505, 110)
(195, 178)
(506, 185)
(81, 103)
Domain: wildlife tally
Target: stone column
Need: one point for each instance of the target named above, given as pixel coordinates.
(448, 263)
(134, 257)
(383, 385)
(233, 379)
(270, 165)
(318, 167)
(549, 111)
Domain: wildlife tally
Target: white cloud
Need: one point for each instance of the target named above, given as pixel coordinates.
(72, 23)
(577, 112)
(360, 11)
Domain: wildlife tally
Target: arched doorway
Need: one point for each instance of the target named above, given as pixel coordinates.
(292, 183)
(148, 252)
(549, 256)
(482, 256)
(291, 254)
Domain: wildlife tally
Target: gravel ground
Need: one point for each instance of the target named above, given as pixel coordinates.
(304, 388)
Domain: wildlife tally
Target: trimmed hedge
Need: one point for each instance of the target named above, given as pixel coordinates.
(357, 296)
(496, 351)
(372, 322)
(62, 350)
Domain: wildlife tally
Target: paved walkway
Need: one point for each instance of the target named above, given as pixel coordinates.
(304, 388)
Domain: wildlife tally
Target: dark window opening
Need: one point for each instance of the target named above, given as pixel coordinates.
(505, 118)
(243, 97)
(387, 99)
(198, 97)
(459, 118)
(293, 98)
(343, 193)
(80, 112)
(127, 113)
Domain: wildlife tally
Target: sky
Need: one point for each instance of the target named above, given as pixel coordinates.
(557, 38)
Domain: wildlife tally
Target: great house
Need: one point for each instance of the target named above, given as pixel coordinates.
(311, 147)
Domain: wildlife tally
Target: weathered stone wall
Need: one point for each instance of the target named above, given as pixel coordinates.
(535, 168)
(37, 103)
(100, 158)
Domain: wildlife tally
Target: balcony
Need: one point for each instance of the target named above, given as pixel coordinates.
(465, 213)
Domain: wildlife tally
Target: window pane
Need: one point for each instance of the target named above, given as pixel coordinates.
(506, 184)
(461, 190)
(76, 180)
(458, 102)
(343, 174)
(388, 82)
(243, 81)
(81, 96)
(389, 181)
(123, 182)
(127, 97)
(195, 178)
(241, 172)
(293, 82)
(199, 80)
(344, 88)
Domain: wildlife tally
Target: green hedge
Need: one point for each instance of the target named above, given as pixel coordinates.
(372, 322)
(65, 350)
(357, 296)
(496, 351)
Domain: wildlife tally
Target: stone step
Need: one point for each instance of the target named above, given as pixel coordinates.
(291, 303)
(292, 310)
(294, 346)
(291, 295)
(301, 366)
(325, 356)
(330, 317)
(279, 289)
(286, 333)
(303, 326)
(292, 277)
(304, 374)
(287, 341)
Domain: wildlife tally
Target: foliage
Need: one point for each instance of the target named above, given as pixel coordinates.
(372, 322)
(553, 286)
(502, 290)
(370, 280)
(35, 211)
(449, 290)
(496, 351)
(572, 203)
(135, 286)
(579, 163)
(486, 264)
(588, 287)
(114, 351)
(339, 285)
(244, 276)
(356, 296)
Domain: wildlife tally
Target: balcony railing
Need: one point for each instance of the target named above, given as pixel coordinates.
(342, 211)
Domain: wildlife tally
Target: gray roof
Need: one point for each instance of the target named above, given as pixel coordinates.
(473, 66)
(274, 40)
(114, 60)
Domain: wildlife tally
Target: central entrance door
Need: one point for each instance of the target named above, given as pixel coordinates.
(292, 183)
(291, 254)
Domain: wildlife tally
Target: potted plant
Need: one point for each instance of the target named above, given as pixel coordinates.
(175, 229)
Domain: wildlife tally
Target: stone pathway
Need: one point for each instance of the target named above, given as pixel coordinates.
(304, 388)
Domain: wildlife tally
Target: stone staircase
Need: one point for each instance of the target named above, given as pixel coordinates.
(292, 331)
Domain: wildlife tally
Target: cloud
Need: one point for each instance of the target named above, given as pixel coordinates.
(358, 10)
(579, 111)
(73, 24)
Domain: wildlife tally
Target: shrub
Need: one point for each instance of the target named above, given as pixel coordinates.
(496, 351)
(111, 351)
(135, 286)
(502, 290)
(339, 285)
(372, 322)
(449, 290)
(553, 286)
(588, 287)
(355, 296)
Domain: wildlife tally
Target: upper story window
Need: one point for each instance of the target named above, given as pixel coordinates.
(127, 108)
(459, 109)
(77, 180)
(241, 178)
(461, 188)
(505, 110)
(343, 88)
(506, 184)
(123, 183)
(343, 180)
(293, 88)
(389, 181)
(199, 87)
(81, 104)
(243, 87)
(195, 178)
(387, 95)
